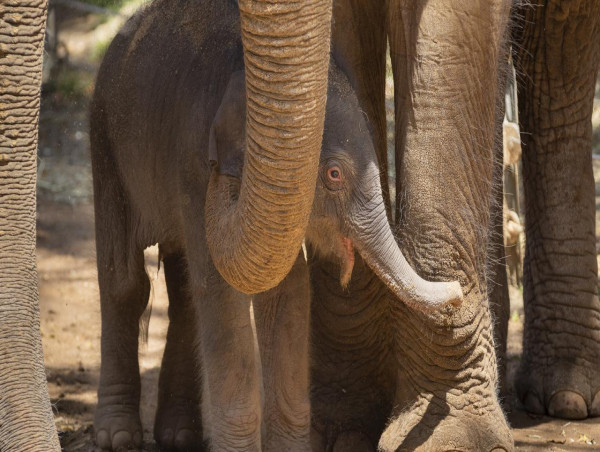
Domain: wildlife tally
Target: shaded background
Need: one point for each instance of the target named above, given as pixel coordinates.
(78, 35)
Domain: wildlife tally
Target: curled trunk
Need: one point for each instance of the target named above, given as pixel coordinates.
(254, 238)
(377, 245)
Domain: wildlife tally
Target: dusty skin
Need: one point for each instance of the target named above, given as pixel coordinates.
(70, 304)
(71, 310)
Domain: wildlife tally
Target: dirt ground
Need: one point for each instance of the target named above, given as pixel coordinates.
(68, 287)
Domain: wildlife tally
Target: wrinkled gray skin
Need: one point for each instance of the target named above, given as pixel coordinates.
(367, 361)
(559, 373)
(151, 147)
(390, 378)
(26, 422)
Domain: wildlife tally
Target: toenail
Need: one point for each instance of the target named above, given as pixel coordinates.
(567, 405)
(122, 439)
(103, 439)
(533, 404)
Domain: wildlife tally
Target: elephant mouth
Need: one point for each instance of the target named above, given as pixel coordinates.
(346, 251)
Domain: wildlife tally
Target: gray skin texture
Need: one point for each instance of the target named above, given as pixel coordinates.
(559, 372)
(154, 130)
(387, 377)
(26, 421)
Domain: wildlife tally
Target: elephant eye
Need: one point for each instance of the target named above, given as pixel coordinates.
(334, 174)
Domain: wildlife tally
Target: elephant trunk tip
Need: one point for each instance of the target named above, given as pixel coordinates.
(428, 296)
(441, 294)
(378, 247)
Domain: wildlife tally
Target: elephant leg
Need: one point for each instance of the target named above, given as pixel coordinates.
(178, 423)
(124, 291)
(282, 326)
(446, 60)
(231, 413)
(352, 373)
(558, 53)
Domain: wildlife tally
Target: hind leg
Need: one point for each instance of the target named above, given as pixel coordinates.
(124, 290)
(178, 424)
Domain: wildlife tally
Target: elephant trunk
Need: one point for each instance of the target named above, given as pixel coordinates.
(374, 240)
(254, 234)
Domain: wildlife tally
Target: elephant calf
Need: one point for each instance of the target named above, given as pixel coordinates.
(167, 119)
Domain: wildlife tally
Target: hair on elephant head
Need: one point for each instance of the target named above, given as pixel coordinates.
(348, 211)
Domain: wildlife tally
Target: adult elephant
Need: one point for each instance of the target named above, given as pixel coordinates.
(286, 54)
(390, 378)
(26, 422)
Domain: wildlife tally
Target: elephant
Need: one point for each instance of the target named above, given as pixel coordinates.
(386, 376)
(26, 421)
(161, 136)
(558, 373)
(392, 379)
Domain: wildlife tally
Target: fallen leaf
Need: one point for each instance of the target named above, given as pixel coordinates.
(583, 438)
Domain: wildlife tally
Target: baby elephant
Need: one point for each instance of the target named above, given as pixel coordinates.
(168, 115)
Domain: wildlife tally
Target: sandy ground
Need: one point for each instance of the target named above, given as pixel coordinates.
(69, 291)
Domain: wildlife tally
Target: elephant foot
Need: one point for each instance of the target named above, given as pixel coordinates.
(434, 426)
(564, 390)
(118, 429)
(178, 427)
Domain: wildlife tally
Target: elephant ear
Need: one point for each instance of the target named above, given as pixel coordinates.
(227, 140)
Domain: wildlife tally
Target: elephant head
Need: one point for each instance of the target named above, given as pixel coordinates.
(349, 210)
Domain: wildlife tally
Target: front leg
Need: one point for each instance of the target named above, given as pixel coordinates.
(352, 364)
(446, 58)
(282, 324)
